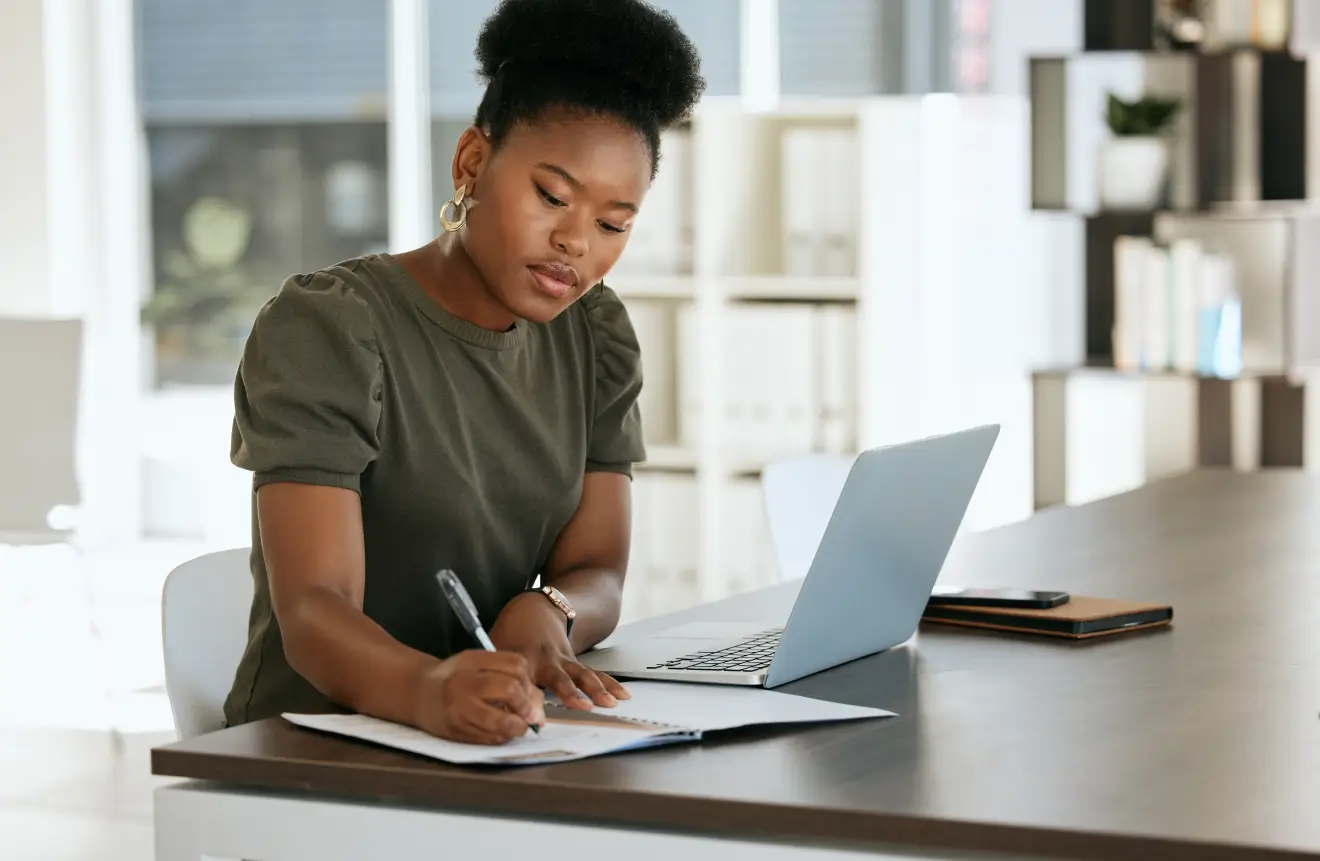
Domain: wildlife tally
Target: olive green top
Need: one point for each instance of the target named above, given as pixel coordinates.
(467, 446)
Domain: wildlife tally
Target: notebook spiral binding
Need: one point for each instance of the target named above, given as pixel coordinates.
(574, 714)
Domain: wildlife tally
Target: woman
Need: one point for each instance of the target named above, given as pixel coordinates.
(471, 404)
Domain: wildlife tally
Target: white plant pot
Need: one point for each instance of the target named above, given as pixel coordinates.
(1133, 173)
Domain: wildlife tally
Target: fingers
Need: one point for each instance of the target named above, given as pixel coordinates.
(613, 686)
(484, 723)
(591, 684)
(561, 684)
(518, 696)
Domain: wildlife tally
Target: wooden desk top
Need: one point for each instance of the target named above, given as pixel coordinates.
(1201, 741)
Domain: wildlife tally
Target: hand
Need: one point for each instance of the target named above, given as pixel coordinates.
(533, 627)
(480, 697)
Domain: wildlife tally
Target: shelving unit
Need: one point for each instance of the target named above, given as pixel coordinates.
(832, 302)
(1243, 176)
(1100, 431)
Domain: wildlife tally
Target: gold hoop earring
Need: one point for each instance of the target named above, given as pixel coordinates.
(460, 206)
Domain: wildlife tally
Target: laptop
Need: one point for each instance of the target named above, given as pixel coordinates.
(865, 590)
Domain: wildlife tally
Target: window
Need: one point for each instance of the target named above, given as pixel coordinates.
(832, 48)
(266, 137)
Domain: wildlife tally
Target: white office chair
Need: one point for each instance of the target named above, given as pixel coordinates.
(799, 494)
(43, 372)
(204, 620)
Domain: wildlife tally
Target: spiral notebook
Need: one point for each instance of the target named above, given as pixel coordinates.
(659, 713)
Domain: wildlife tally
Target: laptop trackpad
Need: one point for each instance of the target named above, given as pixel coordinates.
(711, 631)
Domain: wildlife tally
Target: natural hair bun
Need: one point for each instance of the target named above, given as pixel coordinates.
(623, 43)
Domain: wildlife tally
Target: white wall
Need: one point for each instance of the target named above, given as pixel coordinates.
(24, 291)
(1020, 29)
(72, 225)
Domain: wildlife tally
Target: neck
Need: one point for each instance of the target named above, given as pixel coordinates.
(454, 282)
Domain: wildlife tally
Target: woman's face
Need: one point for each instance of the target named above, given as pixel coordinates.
(554, 205)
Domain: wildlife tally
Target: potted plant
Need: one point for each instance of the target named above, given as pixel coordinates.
(1134, 163)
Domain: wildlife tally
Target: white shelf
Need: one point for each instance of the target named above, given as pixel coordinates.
(682, 287)
(795, 288)
(748, 288)
(681, 459)
(669, 458)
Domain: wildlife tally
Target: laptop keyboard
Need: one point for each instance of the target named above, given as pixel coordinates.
(750, 656)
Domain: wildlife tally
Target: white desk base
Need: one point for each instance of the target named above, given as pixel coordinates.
(199, 821)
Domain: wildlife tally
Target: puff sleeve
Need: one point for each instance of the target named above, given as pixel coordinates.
(307, 398)
(616, 431)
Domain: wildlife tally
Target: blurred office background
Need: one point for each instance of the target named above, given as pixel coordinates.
(889, 218)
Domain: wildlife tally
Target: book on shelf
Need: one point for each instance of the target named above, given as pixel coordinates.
(663, 574)
(662, 561)
(655, 323)
(819, 169)
(660, 240)
(1177, 307)
(790, 384)
(746, 554)
(1263, 24)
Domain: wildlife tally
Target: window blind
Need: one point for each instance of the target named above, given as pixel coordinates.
(244, 60)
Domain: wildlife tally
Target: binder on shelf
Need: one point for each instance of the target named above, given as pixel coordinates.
(661, 236)
(791, 381)
(1175, 308)
(820, 206)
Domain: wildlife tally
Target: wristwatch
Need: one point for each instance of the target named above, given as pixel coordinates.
(557, 598)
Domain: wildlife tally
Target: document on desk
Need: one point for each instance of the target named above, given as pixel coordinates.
(658, 713)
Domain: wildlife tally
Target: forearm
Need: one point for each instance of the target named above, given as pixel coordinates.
(597, 596)
(351, 659)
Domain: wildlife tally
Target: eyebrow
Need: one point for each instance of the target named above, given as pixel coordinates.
(577, 183)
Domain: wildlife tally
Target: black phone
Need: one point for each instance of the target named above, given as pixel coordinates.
(1028, 599)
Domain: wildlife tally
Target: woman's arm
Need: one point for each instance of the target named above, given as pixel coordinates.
(590, 557)
(312, 540)
(587, 564)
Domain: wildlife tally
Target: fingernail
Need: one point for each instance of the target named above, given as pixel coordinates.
(610, 700)
(624, 695)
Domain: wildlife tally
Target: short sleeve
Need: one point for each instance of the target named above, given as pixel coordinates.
(616, 432)
(307, 395)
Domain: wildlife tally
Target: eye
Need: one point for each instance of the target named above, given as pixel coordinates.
(549, 198)
(610, 228)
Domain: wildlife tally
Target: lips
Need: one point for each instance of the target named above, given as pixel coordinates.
(554, 279)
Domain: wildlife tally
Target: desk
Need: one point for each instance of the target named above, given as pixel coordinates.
(1197, 742)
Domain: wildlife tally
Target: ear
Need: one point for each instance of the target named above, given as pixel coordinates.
(470, 157)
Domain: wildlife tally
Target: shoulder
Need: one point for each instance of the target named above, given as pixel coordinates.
(610, 328)
(615, 353)
(616, 430)
(335, 303)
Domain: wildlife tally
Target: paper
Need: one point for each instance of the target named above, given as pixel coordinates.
(658, 713)
(558, 741)
(706, 708)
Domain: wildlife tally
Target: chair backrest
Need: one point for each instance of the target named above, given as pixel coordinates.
(799, 494)
(39, 388)
(204, 619)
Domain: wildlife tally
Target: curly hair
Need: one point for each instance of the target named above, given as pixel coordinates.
(618, 58)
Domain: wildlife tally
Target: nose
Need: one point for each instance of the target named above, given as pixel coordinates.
(570, 235)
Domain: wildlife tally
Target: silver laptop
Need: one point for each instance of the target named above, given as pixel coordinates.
(865, 590)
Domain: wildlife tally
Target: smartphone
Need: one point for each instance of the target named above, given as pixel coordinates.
(1027, 599)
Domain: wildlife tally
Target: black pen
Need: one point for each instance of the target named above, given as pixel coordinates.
(466, 611)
